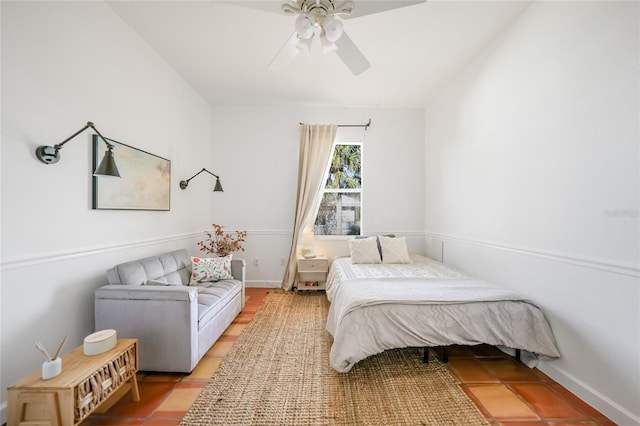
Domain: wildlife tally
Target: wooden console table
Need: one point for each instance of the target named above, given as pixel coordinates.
(85, 383)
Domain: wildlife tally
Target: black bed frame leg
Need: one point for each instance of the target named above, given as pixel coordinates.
(518, 353)
(445, 355)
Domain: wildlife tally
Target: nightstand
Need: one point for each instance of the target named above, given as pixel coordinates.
(312, 273)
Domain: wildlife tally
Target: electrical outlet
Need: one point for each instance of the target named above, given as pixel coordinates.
(256, 263)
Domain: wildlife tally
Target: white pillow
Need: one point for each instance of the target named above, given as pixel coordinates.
(364, 250)
(394, 250)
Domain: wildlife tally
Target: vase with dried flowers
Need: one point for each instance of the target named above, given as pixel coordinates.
(222, 243)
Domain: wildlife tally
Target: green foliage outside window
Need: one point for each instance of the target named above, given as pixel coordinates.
(345, 171)
(340, 209)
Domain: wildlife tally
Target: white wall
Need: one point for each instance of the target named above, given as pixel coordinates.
(263, 143)
(63, 64)
(532, 180)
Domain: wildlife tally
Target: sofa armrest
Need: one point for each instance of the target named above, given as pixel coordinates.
(238, 267)
(146, 292)
(164, 319)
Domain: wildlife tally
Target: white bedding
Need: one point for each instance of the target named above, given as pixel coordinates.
(375, 307)
(342, 270)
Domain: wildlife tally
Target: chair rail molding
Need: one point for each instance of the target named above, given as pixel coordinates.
(621, 268)
(18, 262)
(30, 260)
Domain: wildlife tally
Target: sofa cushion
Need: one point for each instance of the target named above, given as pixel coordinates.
(162, 281)
(139, 272)
(179, 277)
(174, 267)
(213, 297)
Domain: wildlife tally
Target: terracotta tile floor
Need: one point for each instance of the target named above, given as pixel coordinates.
(506, 392)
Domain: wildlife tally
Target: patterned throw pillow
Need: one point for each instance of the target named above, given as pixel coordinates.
(205, 269)
(364, 250)
(394, 250)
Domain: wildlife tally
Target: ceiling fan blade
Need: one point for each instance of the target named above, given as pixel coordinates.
(285, 55)
(351, 55)
(369, 7)
(272, 6)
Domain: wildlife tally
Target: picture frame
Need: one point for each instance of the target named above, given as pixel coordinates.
(144, 182)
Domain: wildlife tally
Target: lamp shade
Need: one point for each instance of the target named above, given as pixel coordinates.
(333, 29)
(107, 166)
(218, 187)
(305, 45)
(327, 46)
(304, 27)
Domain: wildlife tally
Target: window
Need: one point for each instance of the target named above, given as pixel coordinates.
(340, 210)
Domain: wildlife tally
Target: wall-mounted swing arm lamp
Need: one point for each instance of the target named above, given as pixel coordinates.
(107, 167)
(217, 188)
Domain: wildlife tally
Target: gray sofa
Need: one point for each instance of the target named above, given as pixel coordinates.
(175, 323)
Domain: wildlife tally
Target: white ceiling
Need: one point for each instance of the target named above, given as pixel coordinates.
(222, 50)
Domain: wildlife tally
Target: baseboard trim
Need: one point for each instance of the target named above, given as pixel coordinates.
(263, 284)
(601, 265)
(600, 402)
(39, 259)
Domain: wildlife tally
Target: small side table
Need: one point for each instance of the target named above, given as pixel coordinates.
(312, 273)
(86, 382)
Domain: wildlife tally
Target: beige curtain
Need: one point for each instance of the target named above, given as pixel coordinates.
(316, 146)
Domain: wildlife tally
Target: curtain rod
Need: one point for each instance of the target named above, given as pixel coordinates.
(366, 125)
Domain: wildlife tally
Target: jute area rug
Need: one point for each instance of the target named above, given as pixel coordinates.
(278, 373)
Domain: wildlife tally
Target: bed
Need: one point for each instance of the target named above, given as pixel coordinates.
(424, 303)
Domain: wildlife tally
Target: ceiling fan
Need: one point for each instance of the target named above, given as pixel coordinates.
(322, 19)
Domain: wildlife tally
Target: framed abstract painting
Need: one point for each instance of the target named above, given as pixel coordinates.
(144, 182)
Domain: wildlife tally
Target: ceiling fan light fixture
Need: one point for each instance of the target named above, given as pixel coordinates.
(304, 27)
(304, 45)
(333, 29)
(327, 45)
(323, 18)
(317, 29)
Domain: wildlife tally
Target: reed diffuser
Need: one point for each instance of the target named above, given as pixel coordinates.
(52, 366)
